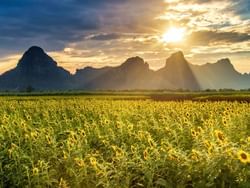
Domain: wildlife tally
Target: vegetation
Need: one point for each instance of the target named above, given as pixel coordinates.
(79, 141)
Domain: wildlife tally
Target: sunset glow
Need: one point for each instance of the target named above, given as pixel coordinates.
(105, 33)
(174, 35)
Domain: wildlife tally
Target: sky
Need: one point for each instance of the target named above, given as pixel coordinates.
(98, 33)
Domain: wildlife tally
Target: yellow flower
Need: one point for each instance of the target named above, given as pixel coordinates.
(26, 136)
(79, 162)
(106, 121)
(35, 171)
(12, 149)
(220, 135)
(145, 154)
(73, 136)
(151, 142)
(82, 132)
(173, 157)
(34, 135)
(28, 117)
(65, 155)
(243, 156)
(93, 161)
(130, 127)
(118, 151)
(195, 155)
(224, 121)
(133, 149)
(210, 149)
(200, 130)
(193, 133)
(185, 120)
(49, 140)
(207, 144)
(63, 183)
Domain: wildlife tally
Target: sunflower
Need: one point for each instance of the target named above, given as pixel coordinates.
(173, 157)
(35, 171)
(220, 135)
(93, 161)
(79, 162)
(210, 150)
(151, 142)
(82, 133)
(145, 154)
(199, 129)
(133, 149)
(207, 144)
(63, 183)
(119, 152)
(65, 155)
(49, 139)
(224, 121)
(195, 155)
(243, 156)
(185, 120)
(130, 127)
(193, 133)
(34, 135)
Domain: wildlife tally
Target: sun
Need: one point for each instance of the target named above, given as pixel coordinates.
(174, 35)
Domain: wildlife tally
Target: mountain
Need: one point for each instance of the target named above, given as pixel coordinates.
(221, 74)
(38, 70)
(177, 74)
(134, 73)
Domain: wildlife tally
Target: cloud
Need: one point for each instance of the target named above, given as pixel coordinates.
(101, 32)
(49, 22)
(203, 38)
(104, 36)
(53, 25)
(242, 8)
(226, 15)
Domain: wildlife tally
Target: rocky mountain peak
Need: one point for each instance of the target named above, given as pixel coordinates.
(36, 57)
(176, 58)
(225, 61)
(134, 62)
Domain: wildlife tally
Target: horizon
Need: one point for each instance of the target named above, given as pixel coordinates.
(101, 34)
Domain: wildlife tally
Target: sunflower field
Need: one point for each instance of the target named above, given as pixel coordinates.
(87, 142)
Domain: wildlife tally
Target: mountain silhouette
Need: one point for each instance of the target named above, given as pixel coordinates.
(177, 74)
(221, 74)
(134, 73)
(38, 70)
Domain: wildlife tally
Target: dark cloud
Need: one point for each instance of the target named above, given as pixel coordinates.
(55, 24)
(212, 37)
(51, 22)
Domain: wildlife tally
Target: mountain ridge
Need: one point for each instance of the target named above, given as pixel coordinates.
(38, 70)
